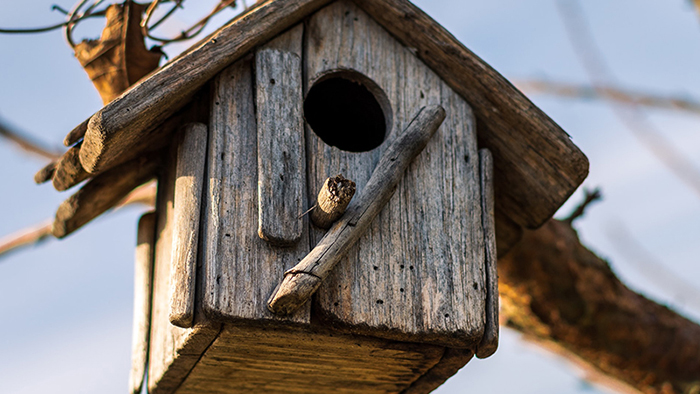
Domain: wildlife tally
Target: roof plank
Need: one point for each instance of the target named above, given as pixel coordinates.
(118, 127)
(537, 167)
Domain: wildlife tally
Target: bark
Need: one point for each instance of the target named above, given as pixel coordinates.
(557, 292)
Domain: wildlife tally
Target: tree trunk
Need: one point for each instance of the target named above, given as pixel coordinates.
(558, 293)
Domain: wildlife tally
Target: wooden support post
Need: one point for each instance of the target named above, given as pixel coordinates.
(281, 157)
(143, 285)
(304, 279)
(332, 200)
(189, 180)
(102, 193)
(489, 342)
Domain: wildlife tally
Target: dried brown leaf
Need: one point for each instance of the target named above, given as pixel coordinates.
(119, 58)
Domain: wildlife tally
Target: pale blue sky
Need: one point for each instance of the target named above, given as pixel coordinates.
(66, 305)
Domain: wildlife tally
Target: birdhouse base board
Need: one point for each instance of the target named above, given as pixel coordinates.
(285, 359)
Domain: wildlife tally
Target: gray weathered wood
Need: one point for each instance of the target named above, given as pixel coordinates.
(143, 288)
(123, 124)
(489, 342)
(240, 269)
(173, 351)
(45, 174)
(304, 279)
(102, 193)
(332, 200)
(69, 171)
(537, 166)
(419, 267)
(281, 157)
(189, 180)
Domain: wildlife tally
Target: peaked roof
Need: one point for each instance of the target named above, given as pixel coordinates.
(537, 167)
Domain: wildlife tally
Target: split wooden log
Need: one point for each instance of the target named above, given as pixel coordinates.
(489, 342)
(102, 193)
(69, 171)
(143, 285)
(303, 280)
(45, 174)
(187, 202)
(76, 134)
(332, 200)
(281, 157)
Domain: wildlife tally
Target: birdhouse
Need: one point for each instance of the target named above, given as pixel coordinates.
(289, 109)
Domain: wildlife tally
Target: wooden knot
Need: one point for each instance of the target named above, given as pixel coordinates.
(332, 200)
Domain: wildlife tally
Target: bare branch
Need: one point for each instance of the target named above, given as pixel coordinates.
(555, 290)
(590, 197)
(27, 143)
(145, 194)
(619, 95)
(591, 56)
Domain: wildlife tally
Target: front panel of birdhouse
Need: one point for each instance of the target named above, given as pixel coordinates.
(328, 96)
(417, 274)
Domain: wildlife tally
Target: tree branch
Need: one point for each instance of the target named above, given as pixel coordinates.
(611, 93)
(570, 300)
(26, 143)
(145, 194)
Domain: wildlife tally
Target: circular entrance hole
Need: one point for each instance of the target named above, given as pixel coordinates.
(349, 111)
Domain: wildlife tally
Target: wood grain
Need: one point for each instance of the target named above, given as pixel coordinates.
(174, 351)
(537, 166)
(332, 201)
(189, 181)
(123, 125)
(304, 279)
(489, 342)
(102, 193)
(451, 362)
(281, 156)
(417, 274)
(143, 288)
(69, 172)
(273, 360)
(240, 269)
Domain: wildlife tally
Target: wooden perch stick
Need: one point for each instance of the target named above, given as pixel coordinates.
(332, 200)
(187, 201)
(102, 193)
(305, 278)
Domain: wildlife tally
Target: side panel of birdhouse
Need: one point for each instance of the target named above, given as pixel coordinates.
(241, 269)
(418, 272)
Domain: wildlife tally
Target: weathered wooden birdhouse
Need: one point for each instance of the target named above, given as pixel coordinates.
(236, 289)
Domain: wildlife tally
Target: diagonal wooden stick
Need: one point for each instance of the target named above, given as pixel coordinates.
(302, 281)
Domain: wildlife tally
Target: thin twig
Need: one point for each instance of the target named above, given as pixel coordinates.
(145, 194)
(27, 143)
(619, 95)
(591, 57)
(590, 197)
